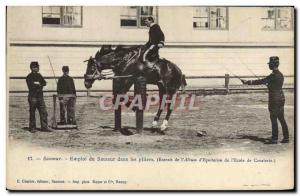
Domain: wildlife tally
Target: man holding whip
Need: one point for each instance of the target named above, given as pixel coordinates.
(274, 82)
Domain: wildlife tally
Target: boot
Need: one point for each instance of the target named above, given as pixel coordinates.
(271, 142)
(32, 129)
(285, 140)
(47, 129)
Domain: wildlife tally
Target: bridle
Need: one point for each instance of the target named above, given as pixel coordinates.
(97, 74)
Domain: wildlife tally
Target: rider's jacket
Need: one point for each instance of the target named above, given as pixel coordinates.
(156, 36)
(274, 81)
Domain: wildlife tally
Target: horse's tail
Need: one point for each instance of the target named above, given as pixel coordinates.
(180, 78)
(183, 83)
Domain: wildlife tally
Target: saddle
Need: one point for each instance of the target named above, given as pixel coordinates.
(153, 68)
(150, 58)
(151, 64)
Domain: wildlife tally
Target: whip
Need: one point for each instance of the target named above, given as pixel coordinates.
(232, 73)
(52, 69)
(250, 70)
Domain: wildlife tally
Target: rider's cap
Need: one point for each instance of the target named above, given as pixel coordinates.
(65, 68)
(150, 18)
(274, 59)
(34, 64)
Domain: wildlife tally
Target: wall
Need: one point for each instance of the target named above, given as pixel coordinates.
(197, 52)
(102, 24)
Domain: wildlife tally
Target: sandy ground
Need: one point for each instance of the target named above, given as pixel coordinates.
(234, 123)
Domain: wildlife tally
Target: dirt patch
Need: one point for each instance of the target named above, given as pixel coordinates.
(238, 122)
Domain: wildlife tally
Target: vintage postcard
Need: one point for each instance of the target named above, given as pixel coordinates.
(150, 98)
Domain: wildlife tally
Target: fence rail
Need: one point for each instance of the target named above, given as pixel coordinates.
(227, 87)
(187, 77)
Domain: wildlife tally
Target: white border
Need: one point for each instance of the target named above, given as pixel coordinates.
(149, 2)
(4, 3)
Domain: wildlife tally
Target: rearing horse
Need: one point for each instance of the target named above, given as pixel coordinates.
(125, 61)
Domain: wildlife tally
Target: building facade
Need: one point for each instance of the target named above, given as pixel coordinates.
(200, 40)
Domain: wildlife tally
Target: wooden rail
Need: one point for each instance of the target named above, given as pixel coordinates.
(226, 88)
(187, 77)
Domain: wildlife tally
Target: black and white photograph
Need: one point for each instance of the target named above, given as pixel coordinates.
(144, 97)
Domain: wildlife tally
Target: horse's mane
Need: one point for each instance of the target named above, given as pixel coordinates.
(128, 48)
(105, 49)
(121, 49)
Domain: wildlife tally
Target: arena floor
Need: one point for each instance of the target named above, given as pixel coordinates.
(234, 123)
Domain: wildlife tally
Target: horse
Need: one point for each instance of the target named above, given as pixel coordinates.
(130, 61)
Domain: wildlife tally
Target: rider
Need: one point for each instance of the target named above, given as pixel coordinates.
(155, 42)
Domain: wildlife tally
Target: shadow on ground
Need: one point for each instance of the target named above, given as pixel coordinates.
(253, 138)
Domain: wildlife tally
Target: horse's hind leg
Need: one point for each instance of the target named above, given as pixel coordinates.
(161, 94)
(165, 123)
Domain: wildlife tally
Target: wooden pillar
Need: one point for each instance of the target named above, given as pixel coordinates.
(54, 123)
(118, 111)
(140, 89)
(227, 83)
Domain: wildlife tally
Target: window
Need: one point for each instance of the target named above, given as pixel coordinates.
(134, 16)
(210, 18)
(278, 18)
(67, 16)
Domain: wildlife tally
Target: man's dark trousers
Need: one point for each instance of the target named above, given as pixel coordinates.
(39, 104)
(278, 113)
(67, 105)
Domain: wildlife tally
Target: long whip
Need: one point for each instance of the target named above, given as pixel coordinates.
(232, 73)
(250, 70)
(52, 69)
(54, 124)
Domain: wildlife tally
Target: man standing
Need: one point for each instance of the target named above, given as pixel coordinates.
(35, 83)
(156, 40)
(276, 99)
(67, 97)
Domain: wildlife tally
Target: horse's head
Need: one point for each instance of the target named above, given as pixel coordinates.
(105, 58)
(93, 72)
(94, 67)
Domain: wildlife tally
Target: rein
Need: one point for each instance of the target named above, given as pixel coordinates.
(97, 75)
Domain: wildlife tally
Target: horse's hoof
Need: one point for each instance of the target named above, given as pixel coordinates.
(161, 132)
(154, 123)
(164, 125)
(201, 133)
(126, 131)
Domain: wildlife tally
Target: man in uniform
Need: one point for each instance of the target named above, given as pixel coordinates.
(35, 83)
(276, 99)
(67, 97)
(156, 40)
